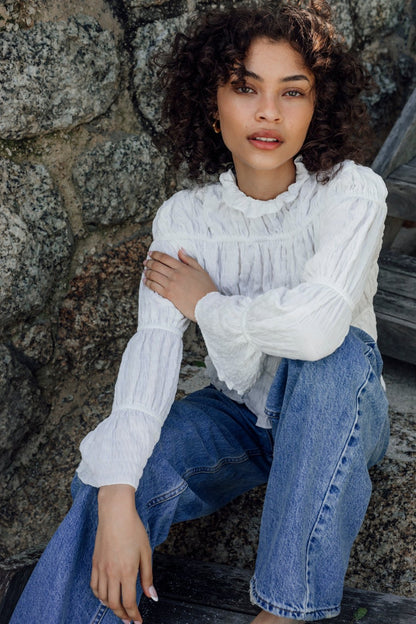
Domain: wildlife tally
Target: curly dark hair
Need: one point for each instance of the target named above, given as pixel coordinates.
(215, 47)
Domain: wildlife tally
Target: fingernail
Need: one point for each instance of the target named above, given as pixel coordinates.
(126, 621)
(153, 593)
(183, 250)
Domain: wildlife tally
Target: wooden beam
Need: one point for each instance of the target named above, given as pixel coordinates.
(405, 173)
(209, 593)
(400, 145)
(397, 274)
(395, 306)
(401, 184)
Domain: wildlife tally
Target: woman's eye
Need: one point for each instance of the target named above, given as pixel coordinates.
(293, 93)
(244, 89)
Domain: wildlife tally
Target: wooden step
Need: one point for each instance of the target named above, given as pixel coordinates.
(193, 592)
(395, 306)
(401, 184)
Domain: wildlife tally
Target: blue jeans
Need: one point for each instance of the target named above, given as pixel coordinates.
(329, 424)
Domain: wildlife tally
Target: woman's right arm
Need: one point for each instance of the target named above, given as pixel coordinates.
(115, 453)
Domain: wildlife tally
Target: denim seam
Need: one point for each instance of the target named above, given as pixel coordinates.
(289, 610)
(198, 470)
(162, 498)
(224, 461)
(336, 473)
(99, 614)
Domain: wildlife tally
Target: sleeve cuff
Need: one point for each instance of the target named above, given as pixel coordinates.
(117, 450)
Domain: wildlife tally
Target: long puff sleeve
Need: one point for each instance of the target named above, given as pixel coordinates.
(118, 449)
(310, 320)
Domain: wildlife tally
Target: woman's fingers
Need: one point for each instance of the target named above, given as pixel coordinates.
(119, 596)
(163, 269)
(165, 259)
(159, 276)
(103, 589)
(152, 275)
(94, 580)
(183, 282)
(114, 599)
(165, 264)
(146, 576)
(183, 257)
(129, 598)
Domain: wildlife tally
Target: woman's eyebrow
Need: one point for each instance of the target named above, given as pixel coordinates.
(295, 77)
(251, 74)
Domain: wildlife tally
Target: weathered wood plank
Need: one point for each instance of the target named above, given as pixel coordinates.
(395, 306)
(392, 227)
(209, 593)
(400, 145)
(397, 274)
(390, 305)
(401, 200)
(217, 587)
(405, 173)
(15, 587)
(395, 339)
(203, 583)
(173, 612)
(401, 185)
(381, 608)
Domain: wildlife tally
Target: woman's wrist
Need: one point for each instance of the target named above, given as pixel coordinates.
(116, 494)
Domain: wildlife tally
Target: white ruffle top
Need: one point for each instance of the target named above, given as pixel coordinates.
(293, 274)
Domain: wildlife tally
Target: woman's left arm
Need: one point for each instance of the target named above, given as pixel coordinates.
(183, 282)
(310, 320)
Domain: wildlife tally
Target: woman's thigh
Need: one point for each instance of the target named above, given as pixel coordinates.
(210, 451)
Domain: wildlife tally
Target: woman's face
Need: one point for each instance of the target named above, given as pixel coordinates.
(264, 119)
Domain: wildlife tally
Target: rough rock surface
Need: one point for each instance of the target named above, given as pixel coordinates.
(376, 17)
(343, 20)
(141, 11)
(55, 76)
(382, 69)
(34, 342)
(100, 304)
(119, 180)
(35, 239)
(22, 408)
(149, 40)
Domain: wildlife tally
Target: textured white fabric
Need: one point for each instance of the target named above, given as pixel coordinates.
(293, 274)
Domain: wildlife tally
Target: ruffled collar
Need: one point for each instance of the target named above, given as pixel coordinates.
(234, 198)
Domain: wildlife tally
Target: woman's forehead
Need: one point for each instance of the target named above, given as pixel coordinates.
(267, 59)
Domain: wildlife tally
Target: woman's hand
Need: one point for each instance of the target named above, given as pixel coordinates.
(122, 550)
(184, 282)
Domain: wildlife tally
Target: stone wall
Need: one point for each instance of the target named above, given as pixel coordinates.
(82, 171)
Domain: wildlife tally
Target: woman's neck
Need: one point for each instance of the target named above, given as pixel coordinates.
(266, 185)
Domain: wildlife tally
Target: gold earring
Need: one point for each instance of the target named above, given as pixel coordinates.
(216, 126)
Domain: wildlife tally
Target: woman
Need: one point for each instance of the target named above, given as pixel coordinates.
(277, 262)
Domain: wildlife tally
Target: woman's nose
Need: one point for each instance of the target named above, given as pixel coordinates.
(268, 110)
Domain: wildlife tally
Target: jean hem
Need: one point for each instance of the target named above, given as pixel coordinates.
(290, 611)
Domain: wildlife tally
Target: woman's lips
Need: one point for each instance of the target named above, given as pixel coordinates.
(265, 139)
(265, 143)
